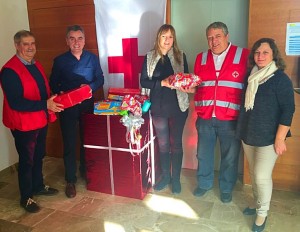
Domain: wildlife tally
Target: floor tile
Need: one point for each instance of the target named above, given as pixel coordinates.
(160, 211)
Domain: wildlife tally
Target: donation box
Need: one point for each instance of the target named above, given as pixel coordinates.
(113, 165)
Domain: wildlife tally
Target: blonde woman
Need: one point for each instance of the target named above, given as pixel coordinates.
(169, 107)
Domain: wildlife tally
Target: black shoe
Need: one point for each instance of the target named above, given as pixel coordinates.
(226, 197)
(199, 192)
(47, 191)
(162, 184)
(249, 211)
(256, 228)
(70, 190)
(176, 187)
(30, 206)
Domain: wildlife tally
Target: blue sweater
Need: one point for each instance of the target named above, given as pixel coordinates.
(13, 89)
(274, 104)
(69, 73)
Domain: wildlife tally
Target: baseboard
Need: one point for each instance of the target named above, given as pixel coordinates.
(10, 170)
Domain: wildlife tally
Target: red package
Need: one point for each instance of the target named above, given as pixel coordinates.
(141, 98)
(111, 165)
(74, 97)
(184, 80)
(123, 92)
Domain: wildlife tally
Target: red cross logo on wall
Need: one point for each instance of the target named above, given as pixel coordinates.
(130, 63)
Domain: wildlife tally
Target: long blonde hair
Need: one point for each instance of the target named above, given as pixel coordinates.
(163, 29)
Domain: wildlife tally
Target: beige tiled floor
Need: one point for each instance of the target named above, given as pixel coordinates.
(159, 212)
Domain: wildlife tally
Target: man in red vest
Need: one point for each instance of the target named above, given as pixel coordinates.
(27, 109)
(217, 102)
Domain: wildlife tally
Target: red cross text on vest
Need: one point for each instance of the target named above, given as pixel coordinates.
(130, 63)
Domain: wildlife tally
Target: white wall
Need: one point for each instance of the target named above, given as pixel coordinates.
(13, 17)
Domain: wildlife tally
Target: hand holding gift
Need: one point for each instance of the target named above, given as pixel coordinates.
(74, 96)
(183, 81)
(58, 103)
(166, 83)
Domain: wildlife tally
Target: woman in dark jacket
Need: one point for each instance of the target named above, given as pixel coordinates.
(169, 107)
(264, 122)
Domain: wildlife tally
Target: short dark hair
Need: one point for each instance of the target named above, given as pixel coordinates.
(21, 34)
(218, 25)
(276, 53)
(74, 28)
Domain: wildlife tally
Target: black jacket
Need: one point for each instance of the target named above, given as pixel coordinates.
(274, 104)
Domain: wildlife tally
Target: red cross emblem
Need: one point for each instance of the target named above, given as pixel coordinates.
(130, 63)
(235, 74)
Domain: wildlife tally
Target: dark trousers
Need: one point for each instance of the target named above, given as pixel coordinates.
(168, 131)
(31, 147)
(70, 119)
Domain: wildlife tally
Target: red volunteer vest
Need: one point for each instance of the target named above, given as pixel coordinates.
(26, 121)
(222, 94)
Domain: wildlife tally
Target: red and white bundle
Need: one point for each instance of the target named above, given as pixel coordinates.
(131, 104)
(184, 80)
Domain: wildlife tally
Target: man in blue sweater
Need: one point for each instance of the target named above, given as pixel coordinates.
(71, 70)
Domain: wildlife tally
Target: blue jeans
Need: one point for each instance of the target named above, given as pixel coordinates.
(208, 132)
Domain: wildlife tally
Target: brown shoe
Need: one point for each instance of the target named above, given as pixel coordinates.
(70, 190)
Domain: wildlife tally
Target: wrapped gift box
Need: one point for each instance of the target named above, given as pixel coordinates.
(74, 97)
(107, 107)
(112, 166)
(123, 92)
(114, 97)
(184, 80)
